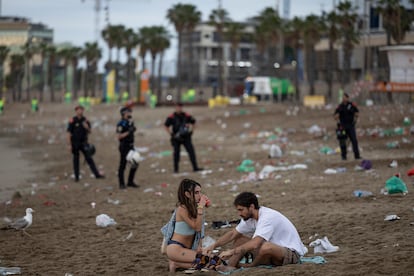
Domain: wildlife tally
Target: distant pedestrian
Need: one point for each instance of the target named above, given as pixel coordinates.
(78, 130)
(180, 126)
(125, 130)
(346, 116)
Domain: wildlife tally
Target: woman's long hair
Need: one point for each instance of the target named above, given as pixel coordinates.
(188, 185)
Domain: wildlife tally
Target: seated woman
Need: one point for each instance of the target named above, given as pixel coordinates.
(184, 246)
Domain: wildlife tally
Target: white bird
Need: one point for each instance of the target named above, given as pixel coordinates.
(24, 222)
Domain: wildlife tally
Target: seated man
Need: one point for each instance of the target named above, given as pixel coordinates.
(267, 234)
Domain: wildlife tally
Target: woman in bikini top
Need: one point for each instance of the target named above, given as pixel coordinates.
(189, 219)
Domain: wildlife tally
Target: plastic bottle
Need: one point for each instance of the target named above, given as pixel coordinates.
(361, 193)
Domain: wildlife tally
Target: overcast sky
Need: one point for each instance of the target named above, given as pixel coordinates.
(74, 20)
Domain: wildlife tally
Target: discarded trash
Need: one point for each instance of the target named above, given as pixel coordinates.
(366, 164)
(327, 150)
(340, 170)
(130, 235)
(393, 164)
(10, 270)
(103, 220)
(93, 204)
(391, 217)
(330, 171)
(275, 151)
(407, 121)
(362, 193)
(410, 172)
(393, 145)
(395, 185)
(246, 166)
(113, 201)
(148, 190)
(323, 246)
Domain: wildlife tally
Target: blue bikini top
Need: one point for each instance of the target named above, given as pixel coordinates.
(182, 228)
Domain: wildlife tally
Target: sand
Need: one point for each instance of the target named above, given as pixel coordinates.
(65, 238)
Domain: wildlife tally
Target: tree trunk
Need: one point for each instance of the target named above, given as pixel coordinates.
(152, 78)
(52, 88)
(179, 85)
(129, 73)
(329, 68)
(191, 65)
(159, 85)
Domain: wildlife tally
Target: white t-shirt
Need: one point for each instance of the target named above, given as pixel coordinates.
(273, 227)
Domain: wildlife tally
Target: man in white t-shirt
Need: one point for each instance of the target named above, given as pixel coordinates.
(264, 232)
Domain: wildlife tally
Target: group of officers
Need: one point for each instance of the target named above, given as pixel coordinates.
(179, 125)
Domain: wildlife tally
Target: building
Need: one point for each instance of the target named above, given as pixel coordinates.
(202, 66)
(16, 31)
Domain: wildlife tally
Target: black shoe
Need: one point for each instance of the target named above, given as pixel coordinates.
(199, 169)
(101, 176)
(344, 158)
(122, 187)
(76, 179)
(359, 157)
(133, 185)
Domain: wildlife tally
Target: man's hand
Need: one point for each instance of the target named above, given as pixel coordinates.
(132, 129)
(227, 254)
(85, 125)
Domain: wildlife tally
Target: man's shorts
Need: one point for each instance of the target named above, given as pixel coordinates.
(291, 257)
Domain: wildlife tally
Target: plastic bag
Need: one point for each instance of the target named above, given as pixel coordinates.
(103, 220)
(395, 185)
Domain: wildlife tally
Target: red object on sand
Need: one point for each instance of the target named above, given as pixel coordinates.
(410, 172)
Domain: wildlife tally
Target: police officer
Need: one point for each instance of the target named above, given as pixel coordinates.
(125, 130)
(78, 129)
(346, 116)
(180, 126)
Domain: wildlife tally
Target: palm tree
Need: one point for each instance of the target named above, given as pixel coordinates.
(144, 34)
(109, 34)
(347, 17)
(313, 27)
(184, 17)
(193, 17)
(332, 31)
(28, 51)
(4, 52)
(92, 53)
(153, 49)
(51, 54)
(158, 37)
(269, 27)
(233, 33)
(164, 44)
(396, 19)
(131, 40)
(218, 18)
(15, 78)
(294, 35)
(69, 56)
(41, 49)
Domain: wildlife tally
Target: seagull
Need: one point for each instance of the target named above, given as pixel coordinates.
(24, 222)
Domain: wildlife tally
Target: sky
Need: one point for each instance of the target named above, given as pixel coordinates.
(74, 20)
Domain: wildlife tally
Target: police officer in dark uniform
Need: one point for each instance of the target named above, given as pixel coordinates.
(346, 116)
(78, 129)
(180, 126)
(125, 129)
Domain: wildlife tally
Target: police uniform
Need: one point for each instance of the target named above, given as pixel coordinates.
(125, 145)
(347, 111)
(181, 135)
(79, 142)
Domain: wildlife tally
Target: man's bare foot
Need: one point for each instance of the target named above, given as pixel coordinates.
(225, 268)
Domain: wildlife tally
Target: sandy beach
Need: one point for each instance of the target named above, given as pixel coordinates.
(65, 238)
